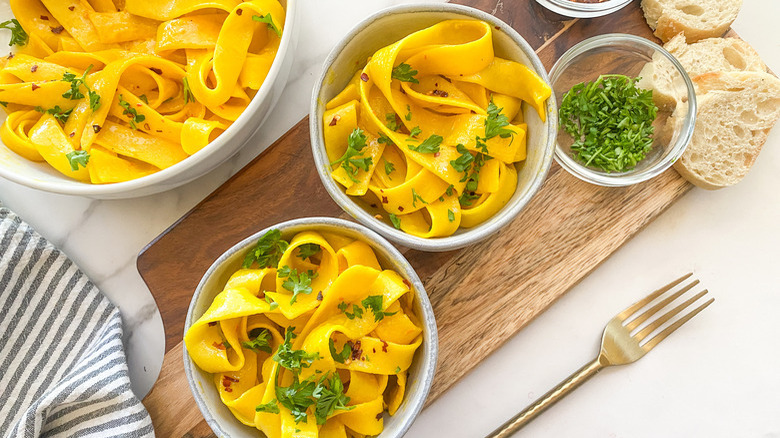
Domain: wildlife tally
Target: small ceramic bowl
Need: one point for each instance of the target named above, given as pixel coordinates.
(627, 55)
(42, 177)
(387, 27)
(580, 9)
(219, 417)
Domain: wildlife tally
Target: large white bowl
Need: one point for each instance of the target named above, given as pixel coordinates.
(421, 372)
(387, 27)
(42, 177)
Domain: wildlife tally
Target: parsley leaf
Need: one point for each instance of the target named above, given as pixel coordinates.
(451, 215)
(267, 251)
(396, 222)
(293, 360)
(94, 100)
(397, 370)
(404, 73)
(75, 84)
(392, 122)
(186, 91)
(307, 250)
(429, 146)
(466, 198)
(374, 302)
(59, 114)
(77, 158)
(297, 398)
(271, 301)
(260, 343)
(496, 123)
(355, 145)
(415, 197)
(463, 162)
(18, 35)
(271, 407)
(389, 167)
(329, 399)
(357, 312)
(297, 283)
(415, 131)
(408, 115)
(383, 139)
(342, 306)
(449, 190)
(269, 21)
(130, 111)
(345, 354)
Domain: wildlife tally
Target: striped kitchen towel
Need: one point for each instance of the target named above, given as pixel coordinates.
(62, 366)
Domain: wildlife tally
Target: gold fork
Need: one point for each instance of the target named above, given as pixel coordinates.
(618, 346)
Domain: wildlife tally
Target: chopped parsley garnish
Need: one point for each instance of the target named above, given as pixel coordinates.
(415, 131)
(271, 407)
(397, 370)
(342, 357)
(75, 84)
(610, 121)
(297, 398)
(416, 197)
(18, 36)
(186, 91)
(260, 342)
(374, 302)
(329, 398)
(357, 311)
(389, 167)
(429, 146)
(396, 222)
(450, 190)
(297, 283)
(59, 114)
(269, 21)
(408, 115)
(463, 162)
(404, 73)
(307, 250)
(355, 145)
(392, 122)
(77, 158)
(144, 99)
(271, 301)
(451, 215)
(130, 111)
(326, 395)
(94, 100)
(383, 139)
(466, 198)
(267, 251)
(293, 360)
(496, 123)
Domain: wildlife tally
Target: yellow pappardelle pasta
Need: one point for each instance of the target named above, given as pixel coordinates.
(431, 128)
(312, 338)
(107, 91)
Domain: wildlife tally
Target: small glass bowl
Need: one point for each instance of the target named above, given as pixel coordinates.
(578, 9)
(627, 55)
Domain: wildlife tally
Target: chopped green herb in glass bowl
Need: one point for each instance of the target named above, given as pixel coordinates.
(612, 131)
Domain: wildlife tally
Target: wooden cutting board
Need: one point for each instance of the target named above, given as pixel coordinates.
(481, 295)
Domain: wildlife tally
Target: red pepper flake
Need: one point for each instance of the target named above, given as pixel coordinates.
(373, 206)
(384, 346)
(403, 91)
(436, 84)
(34, 68)
(239, 12)
(334, 120)
(96, 128)
(356, 351)
(498, 28)
(57, 30)
(436, 154)
(71, 8)
(379, 416)
(384, 200)
(147, 127)
(10, 56)
(364, 77)
(156, 70)
(373, 350)
(218, 345)
(212, 323)
(45, 18)
(319, 296)
(440, 93)
(35, 86)
(400, 208)
(232, 379)
(159, 130)
(406, 282)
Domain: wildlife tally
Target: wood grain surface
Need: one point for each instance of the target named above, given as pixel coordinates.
(481, 295)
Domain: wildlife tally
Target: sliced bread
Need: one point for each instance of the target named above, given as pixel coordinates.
(735, 112)
(708, 55)
(697, 19)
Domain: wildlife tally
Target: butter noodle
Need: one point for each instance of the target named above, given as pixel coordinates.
(457, 77)
(139, 55)
(344, 273)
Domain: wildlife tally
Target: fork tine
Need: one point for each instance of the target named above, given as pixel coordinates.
(667, 316)
(653, 310)
(643, 302)
(667, 331)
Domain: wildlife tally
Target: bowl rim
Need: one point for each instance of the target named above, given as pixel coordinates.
(574, 6)
(676, 151)
(469, 236)
(77, 188)
(430, 335)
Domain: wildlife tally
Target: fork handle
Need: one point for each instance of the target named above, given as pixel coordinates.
(572, 382)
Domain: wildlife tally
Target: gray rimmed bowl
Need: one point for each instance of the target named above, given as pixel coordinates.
(219, 417)
(387, 27)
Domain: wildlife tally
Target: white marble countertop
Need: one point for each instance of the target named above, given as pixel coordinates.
(717, 377)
